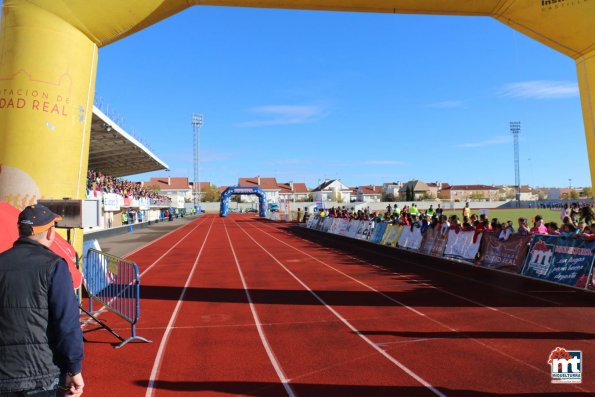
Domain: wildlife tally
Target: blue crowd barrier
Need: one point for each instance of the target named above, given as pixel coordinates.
(115, 283)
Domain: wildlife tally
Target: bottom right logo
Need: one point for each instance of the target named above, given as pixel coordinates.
(566, 365)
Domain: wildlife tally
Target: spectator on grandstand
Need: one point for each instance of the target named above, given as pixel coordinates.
(41, 342)
(523, 228)
(538, 226)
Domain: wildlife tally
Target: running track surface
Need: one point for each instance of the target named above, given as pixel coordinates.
(243, 306)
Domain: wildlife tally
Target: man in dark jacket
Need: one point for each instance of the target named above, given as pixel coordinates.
(41, 343)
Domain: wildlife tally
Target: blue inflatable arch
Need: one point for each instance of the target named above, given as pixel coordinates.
(232, 190)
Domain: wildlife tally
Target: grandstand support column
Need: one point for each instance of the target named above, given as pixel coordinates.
(586, 79)
(47, 80)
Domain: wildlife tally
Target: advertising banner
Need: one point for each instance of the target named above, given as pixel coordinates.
(378, 233)
(506, 255)
(392, 234)
(363, 232)
(343, 226)
(144, 203)
(410, 239)
(562, 260)
(111, 202)
(327, 223)
(461, 245)
(433, 243)
(353, 228)
(334, 225)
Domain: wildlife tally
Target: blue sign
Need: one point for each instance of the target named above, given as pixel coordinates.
(562, 260)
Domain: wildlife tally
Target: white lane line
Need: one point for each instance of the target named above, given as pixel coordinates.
(444, 325)
(161, 238)
(100, 310)
(348, 324)
(280, 373)
(175, 245)
(172, 320)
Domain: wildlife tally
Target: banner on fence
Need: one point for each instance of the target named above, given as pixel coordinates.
(561, 260)
(506, 255)
(392, 234)
(111, 202)
(461, 245)
(378, 233)
(410, 239)
(363, 231)
(433, 243)
(352, 228)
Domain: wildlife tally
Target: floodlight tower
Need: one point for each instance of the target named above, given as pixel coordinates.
(515, 128)
(197, 122)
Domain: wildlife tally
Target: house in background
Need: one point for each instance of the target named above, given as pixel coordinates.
(269, 186)
(178, 189)
(415, 190)
(369, 194)
(332, 190)
(390, 191)
(470, 192)
(293, 192)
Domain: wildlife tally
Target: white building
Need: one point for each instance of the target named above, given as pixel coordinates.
(332, 190)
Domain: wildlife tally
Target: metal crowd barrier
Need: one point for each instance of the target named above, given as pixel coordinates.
(115, 283)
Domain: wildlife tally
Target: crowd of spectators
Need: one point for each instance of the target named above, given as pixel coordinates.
(97, 182)
(576, 221)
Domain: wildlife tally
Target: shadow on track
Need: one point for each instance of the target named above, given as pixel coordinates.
(264, 389)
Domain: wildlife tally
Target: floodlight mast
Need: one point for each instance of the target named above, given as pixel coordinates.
(197, 123)
(515, 128)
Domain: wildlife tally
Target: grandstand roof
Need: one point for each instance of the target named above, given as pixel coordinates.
(116, 153)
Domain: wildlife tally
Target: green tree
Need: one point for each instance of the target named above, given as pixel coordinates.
(587, 192)
(573, 195)
(210, 194)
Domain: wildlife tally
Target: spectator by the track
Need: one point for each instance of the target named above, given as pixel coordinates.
(299, 215)
(564, 212)
(575, 213)
(587, 214)
(523, 228)
(41, 342)
(438, 211)
(568, 229)
(505, 232)
(466, 210)
(553, 229)
(538, 226)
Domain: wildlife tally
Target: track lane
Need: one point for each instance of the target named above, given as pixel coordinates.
(111, 372)
(215, 341)
(322, 353)
(473, 326)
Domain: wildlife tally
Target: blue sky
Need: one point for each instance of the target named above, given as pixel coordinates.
(367, 98)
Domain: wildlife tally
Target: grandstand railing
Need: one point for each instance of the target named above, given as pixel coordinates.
(115, 283)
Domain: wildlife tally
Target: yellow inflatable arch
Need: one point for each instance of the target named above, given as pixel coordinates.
(48, 60)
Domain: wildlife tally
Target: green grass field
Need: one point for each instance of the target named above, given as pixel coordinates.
(514, 214)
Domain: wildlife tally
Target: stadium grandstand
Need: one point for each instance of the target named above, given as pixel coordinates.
(113, 154)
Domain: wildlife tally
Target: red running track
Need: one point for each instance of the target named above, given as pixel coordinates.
(242, 306)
